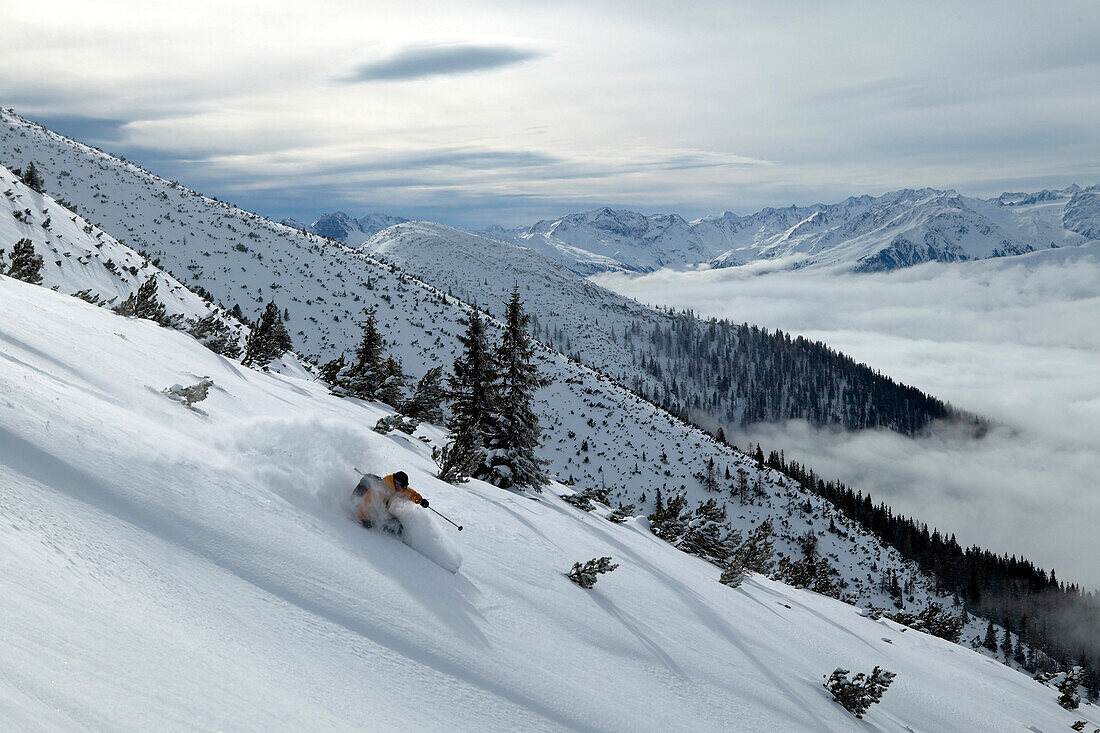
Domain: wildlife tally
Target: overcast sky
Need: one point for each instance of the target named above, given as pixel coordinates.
(479, 112)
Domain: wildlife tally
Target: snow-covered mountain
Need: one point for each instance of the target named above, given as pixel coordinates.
(863, 233)
(343, 228)
(716, 373)
(170, 568)
(598, 433)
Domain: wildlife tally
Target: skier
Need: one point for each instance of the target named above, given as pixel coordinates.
(375, 494)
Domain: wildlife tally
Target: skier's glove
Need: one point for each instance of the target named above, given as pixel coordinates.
(424, 503)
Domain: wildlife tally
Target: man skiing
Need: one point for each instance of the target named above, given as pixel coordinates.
(375, 494)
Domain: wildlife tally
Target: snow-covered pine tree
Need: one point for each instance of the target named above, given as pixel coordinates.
(708, 535)
(753, 555)
(216, 335)
(330, 370)
(364, 376)
(621, 513)
(461, 457)
(426, 402)
(472, 386)
(1069, 698)
(669, 520)
(858, 694)
(268, 340)
(586, 575)
(516, 432)
(392, 389)
(144, 303)
(25, 264)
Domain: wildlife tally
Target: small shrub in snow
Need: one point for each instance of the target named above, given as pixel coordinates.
(189, 396)
(585, 575)
(1069, 698)
(858, 694)
(621, 513)
(816, 575)
(933, 620)
(583, 499)
(395, 422)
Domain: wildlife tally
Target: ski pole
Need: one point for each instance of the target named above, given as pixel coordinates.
(440, 514)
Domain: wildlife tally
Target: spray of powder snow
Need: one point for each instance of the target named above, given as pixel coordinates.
(308, 462)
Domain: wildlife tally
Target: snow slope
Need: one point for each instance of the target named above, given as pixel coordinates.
(861, 233)
(596, 432)
(162, 568)
(77, 256)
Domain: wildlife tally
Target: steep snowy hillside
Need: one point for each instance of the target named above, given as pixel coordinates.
(717, 373)
(597, 433)
(863, 233)
(164, 568)
(79, 257)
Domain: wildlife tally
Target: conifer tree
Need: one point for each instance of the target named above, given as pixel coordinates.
(25, 264)
(753, 555)
(216, 335)
(473, 384)
(461, 457)
(426, 403)
(516, 432)
(990, 642)
(32, 178)
(392, 388)
(268, 340)
(144, 303)
(364, 376)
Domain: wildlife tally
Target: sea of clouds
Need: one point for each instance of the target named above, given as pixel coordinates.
(1016, 340)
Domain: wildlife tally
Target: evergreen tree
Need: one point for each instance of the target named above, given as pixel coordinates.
(473, 386)
(516, 434)
(32, 178)
(990, 642)
(461, 457)
(858, 694)
(216, 335)
(753, 555)
(392, 389)
(330, 370)
(707, 535)
(364, 376)
(426, 403)
(669, 521)
(25, 264)
(586, 575)
(144, 303)
(268, 340)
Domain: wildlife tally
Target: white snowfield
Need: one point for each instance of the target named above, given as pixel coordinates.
(162, 568)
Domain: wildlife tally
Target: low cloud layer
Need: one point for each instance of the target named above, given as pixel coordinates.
(423, 61)
(1016, 340)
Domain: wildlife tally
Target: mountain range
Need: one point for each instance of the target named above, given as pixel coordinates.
(861, 233)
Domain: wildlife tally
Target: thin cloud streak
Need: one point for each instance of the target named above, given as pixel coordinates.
(428, 61)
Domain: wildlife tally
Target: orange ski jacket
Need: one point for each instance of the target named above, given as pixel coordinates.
(386, 491)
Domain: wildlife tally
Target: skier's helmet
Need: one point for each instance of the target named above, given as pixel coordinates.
(401, 479)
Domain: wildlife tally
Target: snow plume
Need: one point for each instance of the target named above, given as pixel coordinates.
(1015, 340)
(308, 461)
